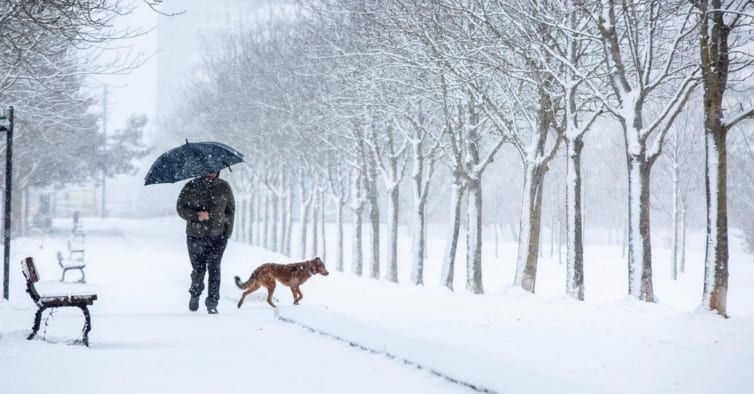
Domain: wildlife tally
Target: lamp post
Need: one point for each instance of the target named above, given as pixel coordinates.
(8, 129)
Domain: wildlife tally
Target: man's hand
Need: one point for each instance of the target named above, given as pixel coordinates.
(203, 216)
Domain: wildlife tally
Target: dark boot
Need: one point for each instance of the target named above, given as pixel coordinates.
(212, 310)
(194, 303)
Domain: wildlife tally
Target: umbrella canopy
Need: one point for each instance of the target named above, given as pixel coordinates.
(191, 160)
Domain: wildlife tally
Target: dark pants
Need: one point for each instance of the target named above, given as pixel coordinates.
(206, 253)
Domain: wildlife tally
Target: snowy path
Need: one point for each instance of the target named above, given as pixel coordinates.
(144, 339)
(191, 354)
(508, 341)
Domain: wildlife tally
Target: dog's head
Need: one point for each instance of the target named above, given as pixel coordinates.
(319, 267)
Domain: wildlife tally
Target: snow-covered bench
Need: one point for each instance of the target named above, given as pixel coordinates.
(69, 264)
(44, 302)
(76, 251)
(77, 233)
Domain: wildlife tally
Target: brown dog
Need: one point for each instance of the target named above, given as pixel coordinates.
(292, 275)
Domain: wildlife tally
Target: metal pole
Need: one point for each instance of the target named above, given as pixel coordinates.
(8, 186)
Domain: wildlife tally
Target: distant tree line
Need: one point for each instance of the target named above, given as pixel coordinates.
(369, 100)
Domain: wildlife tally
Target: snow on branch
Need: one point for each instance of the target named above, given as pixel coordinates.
(738, 117)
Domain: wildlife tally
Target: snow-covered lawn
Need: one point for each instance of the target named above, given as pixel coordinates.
(361, 335)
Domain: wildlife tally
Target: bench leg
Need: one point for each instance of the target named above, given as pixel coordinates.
(37, 322)
(62, 278)
(87, 323)
(83, 276)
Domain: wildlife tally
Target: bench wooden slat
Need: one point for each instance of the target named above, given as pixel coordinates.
(68, 298)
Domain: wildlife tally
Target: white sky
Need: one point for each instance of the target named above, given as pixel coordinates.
(135, 92)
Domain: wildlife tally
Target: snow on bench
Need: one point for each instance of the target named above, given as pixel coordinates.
(68, 264)
(46, 301)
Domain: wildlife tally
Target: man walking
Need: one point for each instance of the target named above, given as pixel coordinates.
(207, 205)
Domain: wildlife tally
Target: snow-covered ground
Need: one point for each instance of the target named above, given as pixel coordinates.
(362, 335)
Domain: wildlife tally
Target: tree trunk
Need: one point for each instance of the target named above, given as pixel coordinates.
(289, 221)
(339, 235)
(323, 236)
(529, 232)
(370, 188)
(391, 268)
(250, 215)
(683, 238)
(420, 182)
(304, 217)
(357, 205)
(418, 244)
(624, 230)
(274, 222)
(639, 240)
(253, 219)
(266, 228)
(240, 234)
(454, 226)
(553, 218)
(258, 219)
(357, 264)
(675, 218)
(283, 200)
(716, 257)
(474, 240)
(715, 61)
(315, 224)
(574, 237)
(248, 220)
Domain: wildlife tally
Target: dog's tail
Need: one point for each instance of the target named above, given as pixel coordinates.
(242, 285)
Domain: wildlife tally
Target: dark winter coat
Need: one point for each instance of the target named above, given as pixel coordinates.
(215, 197)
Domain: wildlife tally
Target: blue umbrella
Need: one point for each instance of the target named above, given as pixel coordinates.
(191, 160)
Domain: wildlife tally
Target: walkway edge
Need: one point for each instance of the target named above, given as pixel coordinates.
(479, 372)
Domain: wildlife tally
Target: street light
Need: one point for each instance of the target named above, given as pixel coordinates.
(8, 129)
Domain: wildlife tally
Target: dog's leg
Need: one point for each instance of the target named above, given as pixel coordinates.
(294, 290)
(270, 290)
(297, 295)
(254, 286)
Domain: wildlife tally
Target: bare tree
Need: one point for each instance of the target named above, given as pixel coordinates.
(35, 36)
(469, 148)
(725, 50)
(47, 50)
(469, 141)
(339, 187)
(646, 50)
(522, 107)
(677, 169)
(574, 53)
(423, 152)
(389, 156)
(357, 206)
